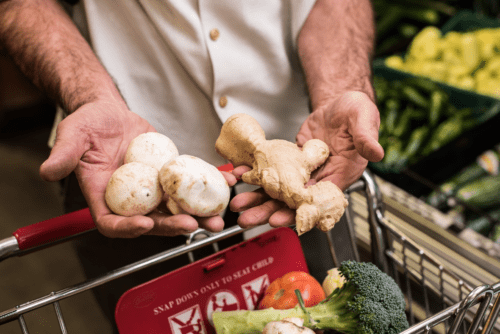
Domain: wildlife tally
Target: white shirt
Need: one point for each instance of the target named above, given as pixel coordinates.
(186, 78)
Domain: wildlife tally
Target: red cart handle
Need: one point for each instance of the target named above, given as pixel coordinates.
(54, 229)
(67, 225)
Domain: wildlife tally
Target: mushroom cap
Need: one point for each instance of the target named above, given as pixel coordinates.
(133, 189)
(151, 148)
(196, 186)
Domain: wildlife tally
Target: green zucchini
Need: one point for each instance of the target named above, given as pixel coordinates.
(481, 193)
(444, 133)
(416, 141)
(391, 114)
(484, 224)
(423, 84)
(415, 96)
(486, 164)
(426, 16)
(388, 20)
(403, 123)
(438, 100)
(394, 152)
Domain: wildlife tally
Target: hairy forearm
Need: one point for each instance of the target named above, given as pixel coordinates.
(49, 49)
(335, 48)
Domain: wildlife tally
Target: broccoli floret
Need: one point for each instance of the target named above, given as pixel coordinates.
(369, 302)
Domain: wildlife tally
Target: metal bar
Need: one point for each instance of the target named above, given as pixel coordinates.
(350, 224)
(464, 306)
(14, 313)
(432, 321)
(424, 287)
(8, 246)
(407, 281)
(332, 250)
(22, 323)
(374, 203)
(192, 237)
(441, 294)
(60, 319)
(492, 317)
(478, 317)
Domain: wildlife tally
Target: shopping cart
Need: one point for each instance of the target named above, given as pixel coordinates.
(438, 301)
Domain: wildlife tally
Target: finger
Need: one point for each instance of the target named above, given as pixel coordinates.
(259, 215)
(240, 170)
(283, 217)
(211, 224)
(69, 147)
(369, 148)
(365, 133)
(113, 226)
(230, 178)
(172, 225)
(244, 201)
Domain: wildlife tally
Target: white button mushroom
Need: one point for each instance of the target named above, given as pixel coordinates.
(151, 148)
(287, 325)
(195, 185)
(133, 189)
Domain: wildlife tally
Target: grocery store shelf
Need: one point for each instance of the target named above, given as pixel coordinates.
(470, 264)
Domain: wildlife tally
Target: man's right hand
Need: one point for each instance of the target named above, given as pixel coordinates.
(92, 142)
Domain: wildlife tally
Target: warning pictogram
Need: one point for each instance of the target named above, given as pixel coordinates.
(224, 300)
(188, 321)
(254, 290)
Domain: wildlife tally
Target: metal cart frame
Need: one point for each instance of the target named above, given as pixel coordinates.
(421, 277)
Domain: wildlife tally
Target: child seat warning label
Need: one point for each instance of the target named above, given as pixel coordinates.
(254, 290)
(188, 321)
(222, 301)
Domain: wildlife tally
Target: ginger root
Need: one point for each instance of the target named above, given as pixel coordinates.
(282, 169)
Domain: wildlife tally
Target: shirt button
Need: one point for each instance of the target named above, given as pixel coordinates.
(223, 101)
(214, 34)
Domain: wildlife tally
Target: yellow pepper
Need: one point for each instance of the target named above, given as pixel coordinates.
(470, 50)
(394, 62)
(487, 40)
(425, 45)
(466, 82)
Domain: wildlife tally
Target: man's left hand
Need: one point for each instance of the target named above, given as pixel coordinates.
(349, 124)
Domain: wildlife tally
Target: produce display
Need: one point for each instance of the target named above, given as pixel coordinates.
(473, 195)
(282, 169)
(153, 168)
(369, 301)
(467, 60)
(398, 21)
(417, 118)
(488, 163)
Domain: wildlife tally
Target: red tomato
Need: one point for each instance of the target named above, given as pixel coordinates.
(280, 294)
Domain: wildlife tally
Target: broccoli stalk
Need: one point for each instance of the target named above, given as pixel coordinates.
(369, 302)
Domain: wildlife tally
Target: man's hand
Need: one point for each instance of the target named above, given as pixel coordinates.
(92, 142)
(349, 125)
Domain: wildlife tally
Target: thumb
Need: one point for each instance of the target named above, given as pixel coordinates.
(365, 135)
(370, 149)
(64, 156)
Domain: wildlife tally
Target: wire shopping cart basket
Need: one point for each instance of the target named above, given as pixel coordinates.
(438, 301)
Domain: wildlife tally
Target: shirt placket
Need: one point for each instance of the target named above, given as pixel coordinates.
(219, 50)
